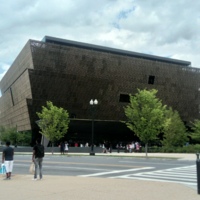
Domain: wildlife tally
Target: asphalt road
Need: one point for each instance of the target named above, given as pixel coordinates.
(169, 170)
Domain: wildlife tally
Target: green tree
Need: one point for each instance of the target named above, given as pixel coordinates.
(54, 122)
(196, 131)
(24, 138)
(15, 137)
(3, 135)
(145, 115)
(175, 133)
(9, 134)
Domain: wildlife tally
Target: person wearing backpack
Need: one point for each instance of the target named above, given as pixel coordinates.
(37, 158)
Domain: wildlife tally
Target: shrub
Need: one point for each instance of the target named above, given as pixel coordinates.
(194, 148)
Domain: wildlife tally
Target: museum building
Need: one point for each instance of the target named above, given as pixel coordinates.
(71, 73)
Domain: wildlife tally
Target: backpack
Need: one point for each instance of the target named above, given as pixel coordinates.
(40, 151)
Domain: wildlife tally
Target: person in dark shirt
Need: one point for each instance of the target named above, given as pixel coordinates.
(37, 158)
(62, 148)
(7, 159)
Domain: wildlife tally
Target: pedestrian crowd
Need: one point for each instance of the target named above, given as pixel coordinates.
(106, 146)
(129, 148)
(125, 147)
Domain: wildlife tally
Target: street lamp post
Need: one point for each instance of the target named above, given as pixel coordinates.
(93, 103)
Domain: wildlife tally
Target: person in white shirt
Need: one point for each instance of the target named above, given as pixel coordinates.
(66, 147)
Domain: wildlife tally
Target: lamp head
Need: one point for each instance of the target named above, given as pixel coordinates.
(93, 102)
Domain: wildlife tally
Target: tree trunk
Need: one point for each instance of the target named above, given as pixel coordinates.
(146, 148)
(52, 148)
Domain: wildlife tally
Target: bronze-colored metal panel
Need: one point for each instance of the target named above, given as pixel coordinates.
(71, 75)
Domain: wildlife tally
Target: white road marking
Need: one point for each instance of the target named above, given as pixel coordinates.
(184, 175)
(150, 179)
(154, 163)
(116, 171)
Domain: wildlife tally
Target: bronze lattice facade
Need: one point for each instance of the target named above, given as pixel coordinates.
(71, 73)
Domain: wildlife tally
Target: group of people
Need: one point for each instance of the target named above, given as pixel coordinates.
(130, 147)
(37, 159)
(133, 147)
(64, 147)
(107, 147)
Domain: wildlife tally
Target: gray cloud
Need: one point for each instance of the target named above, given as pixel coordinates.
(165, 28)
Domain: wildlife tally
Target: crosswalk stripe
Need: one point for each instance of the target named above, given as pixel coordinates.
(150, 179)
(116, 171)
(184, 175)
(177, 174)
(162, 177)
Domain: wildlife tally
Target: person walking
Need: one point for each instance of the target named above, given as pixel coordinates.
(37, 158)
(7, 160)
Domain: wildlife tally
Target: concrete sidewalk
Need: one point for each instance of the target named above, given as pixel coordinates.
(182, 156)
(21, 187)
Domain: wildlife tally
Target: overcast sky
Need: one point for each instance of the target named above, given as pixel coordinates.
(168, 28)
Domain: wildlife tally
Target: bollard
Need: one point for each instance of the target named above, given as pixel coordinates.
(198, 173)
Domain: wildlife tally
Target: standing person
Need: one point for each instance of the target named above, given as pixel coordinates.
(76, 144)
(106, 144)
(118, 148)
(66, 147)
(130, 148)
(37, 158)
(62, 148)
(133, 146)
(137, 147)
(110, 147)
(7, 159)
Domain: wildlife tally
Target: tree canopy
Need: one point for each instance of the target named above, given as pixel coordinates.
(145, 115)
(196, 131)
(14, 136)
(53, 122)
(175, 133)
